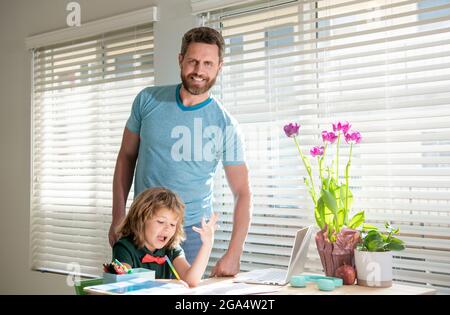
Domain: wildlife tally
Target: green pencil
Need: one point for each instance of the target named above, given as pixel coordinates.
(121, 265)
(172, 268)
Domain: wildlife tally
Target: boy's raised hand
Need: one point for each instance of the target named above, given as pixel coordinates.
(207, 230)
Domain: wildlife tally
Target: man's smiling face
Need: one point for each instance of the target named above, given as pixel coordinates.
(200, 67)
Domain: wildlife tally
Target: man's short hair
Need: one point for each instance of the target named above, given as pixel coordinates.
(205, 35)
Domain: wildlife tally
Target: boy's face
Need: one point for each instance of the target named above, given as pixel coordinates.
(199, 67)
(160, 229)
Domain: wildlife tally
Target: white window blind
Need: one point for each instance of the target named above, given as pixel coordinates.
(82, 95)
(382, 65)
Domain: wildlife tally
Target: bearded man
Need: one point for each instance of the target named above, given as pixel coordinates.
(175, 137)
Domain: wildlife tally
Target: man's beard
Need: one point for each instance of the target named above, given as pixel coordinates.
(197, 90)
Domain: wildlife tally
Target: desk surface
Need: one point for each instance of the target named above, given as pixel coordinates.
(311, 289)
(220, 286)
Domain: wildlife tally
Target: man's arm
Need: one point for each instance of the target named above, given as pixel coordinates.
(237, 176)
(123, 178)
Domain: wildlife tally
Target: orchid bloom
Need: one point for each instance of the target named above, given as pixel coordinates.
(329, 136)
(316, 151)
(353, 137)
(291, 130)
(341, 126)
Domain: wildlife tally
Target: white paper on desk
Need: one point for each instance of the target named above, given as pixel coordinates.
(167, 289)
(233, 288)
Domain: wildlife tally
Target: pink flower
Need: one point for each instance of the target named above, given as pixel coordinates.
(329, 136)
(291, 129)
(341, 126)
(316, 151)
(353, 137)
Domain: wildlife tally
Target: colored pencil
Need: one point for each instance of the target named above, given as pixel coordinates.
(172, 268)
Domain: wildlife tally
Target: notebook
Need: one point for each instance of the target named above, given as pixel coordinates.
(274, 276)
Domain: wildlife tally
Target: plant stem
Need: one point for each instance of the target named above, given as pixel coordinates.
(320, 167)
(330, 172)
(321, 161)
(347, 169)
(308, 169)
(337, 157)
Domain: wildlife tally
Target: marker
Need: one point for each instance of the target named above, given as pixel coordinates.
(123, 267)
(172, 268)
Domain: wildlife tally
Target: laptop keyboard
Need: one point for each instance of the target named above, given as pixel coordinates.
(269, 275)
(273, 275)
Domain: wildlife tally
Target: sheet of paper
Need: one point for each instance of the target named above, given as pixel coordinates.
(260, 276)
(167, 289)
(233, 288)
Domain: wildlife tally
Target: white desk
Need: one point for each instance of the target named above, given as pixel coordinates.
(220, 286)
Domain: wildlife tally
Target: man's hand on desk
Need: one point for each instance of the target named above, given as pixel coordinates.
(227, 266)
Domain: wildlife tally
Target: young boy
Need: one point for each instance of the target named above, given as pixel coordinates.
(153, 228)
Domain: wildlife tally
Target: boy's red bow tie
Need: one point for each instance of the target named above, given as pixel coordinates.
(149, 259)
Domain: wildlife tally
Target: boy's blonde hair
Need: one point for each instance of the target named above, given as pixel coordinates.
(144, 207)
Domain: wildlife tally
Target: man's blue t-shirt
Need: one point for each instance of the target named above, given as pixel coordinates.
(181, 146)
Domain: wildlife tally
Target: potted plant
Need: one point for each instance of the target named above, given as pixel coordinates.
(332, 199)
(373, 256)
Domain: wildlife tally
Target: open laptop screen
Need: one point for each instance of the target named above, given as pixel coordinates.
(297, 261)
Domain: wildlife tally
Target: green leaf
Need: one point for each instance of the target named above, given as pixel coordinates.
(357, 220)
(341, 217)
(373, 241)
(396, 240)
(331, 228)
(329, 218)
(333, 186)
(375, 245)
(324, 183)
(319, 213)
(343, 192)
(332, 237)
(330, 200)
(371, 236)
(394, 246)
(368, 227)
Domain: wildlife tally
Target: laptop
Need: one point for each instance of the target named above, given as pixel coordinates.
(274, 276)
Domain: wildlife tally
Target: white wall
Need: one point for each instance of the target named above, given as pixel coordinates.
(18, 20)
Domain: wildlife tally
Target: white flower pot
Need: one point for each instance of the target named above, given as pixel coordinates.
(374, 269)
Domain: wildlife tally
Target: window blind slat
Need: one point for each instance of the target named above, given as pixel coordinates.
(90, 92)
(98, 81)
(307, 52)
(76, 75)
(105, 44)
